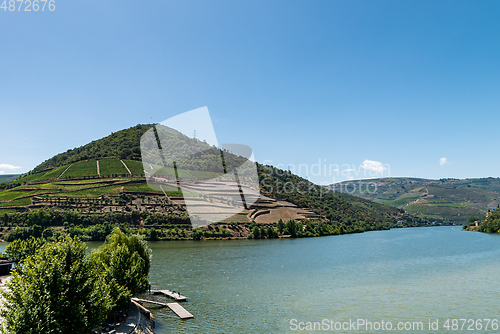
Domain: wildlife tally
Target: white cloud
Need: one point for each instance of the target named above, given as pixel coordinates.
(7, 167)
(375, 166)
(348, 170)
(443, 161)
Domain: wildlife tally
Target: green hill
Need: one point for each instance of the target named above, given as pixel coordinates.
(104, 182)
(334, 206)
(452, 200)
(125, 144)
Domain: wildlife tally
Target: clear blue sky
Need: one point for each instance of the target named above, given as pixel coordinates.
(402, 83)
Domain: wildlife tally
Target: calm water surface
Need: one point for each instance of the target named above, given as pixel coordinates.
(258, 286)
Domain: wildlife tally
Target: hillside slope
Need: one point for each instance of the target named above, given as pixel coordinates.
(124, 144)
(8, 177)
(104, 181)
(450, 200)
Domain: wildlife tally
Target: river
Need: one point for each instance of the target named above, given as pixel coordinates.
(403, 277)
(399, 276)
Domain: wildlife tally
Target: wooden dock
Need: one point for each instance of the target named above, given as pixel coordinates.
(180, 311)
(149, 301)
(174, 295)
(175, 307)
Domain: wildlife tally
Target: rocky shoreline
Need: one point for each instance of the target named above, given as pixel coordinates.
(139, 321)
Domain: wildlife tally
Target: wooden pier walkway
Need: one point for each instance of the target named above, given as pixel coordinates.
(176, 307)
(139, 300)
(180, 311)
(174, 295)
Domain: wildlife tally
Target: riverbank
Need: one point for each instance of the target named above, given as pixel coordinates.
(138, 321)
(89, 230)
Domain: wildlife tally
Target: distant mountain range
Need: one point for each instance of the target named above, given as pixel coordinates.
(8, 177)
(449, 200)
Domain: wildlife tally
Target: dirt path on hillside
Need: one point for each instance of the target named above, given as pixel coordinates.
(64, 171)
(163, 191)
(415, 201)
(124, 164)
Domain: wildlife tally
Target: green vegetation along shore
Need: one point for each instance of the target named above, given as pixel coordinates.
(59, 287)
(488, 224)
(87, 191)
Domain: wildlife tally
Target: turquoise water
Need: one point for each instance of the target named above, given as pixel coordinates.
(401, 275)
(398, 276)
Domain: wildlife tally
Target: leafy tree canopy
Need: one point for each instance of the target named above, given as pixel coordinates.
(125, 261)
(19, 249)
(58, 290)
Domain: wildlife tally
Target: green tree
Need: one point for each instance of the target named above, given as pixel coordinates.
(471, 220)
(153, 234)
(58, 290)
(311, 229)
(24, 233)
(18, 250)
(293, 228)
(263, 232)
(256, 232)
(271, 232)
(281, 226)
(323, 229)
(125, 261)
(197, 234)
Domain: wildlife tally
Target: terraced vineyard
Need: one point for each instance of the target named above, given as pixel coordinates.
(74, 184)
(87, 190)
(76, 190)
(450, 200)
